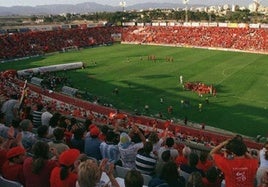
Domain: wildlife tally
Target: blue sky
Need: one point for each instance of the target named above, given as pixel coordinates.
(8, 3)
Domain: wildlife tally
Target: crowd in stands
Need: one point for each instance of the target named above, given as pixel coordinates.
(247, 39)
(32, 43)
(48, 139)
(42, 146)
(17, 45)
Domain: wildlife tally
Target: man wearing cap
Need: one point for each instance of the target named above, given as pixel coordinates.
(66, 174)
(12, 168)
(92, 143)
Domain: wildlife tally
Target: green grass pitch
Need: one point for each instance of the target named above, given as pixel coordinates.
(240, 79)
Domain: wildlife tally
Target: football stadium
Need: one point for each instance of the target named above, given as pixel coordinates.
(199, 85)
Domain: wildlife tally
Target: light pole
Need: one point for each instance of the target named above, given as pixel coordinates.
(123, 5)
(186, 9)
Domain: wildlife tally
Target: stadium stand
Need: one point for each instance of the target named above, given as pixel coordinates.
(209, 37)
(25, 44)
(18, 45)
(75, 111)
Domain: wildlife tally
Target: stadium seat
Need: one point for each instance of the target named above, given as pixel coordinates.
(121, 171)
(9, 183)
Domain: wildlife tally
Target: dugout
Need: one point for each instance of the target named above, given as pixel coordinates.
(36, 81)
(69, 91)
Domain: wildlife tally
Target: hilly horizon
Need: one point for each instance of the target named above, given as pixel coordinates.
(87, 7)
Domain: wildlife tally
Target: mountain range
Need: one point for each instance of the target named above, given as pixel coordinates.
(87, 7)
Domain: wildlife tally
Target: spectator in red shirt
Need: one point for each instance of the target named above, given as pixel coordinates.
(237, 164)
(37, 169)
(183, 159)
(103, 132)
(66, 174)
(12, 168)
(204, 162)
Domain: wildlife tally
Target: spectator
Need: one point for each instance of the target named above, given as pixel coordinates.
(6, 144)
(191, 166)
(26, 113)
(264, 180)
(46, 116)
(171, 175)
(129, 149)
(263, 160)
(92, 143)
(195, 180)
(169, 146)
(183, 159)
(16, 125)
(104, 129)
(37, 168)
(133, 178)
(42, 133)
(109, 149)
(87, 123)
(204, 162)
(58, 143)
(11, 109)
(160, 163)
(53, 123)
(145, 160)
(3, 127)
(78, 141)
(28, 137)
(66, 174)
(153, 137)
(37, 113)
(12, 168)
(238, 166)
(212, 178)
(3, 153)
(89, 174)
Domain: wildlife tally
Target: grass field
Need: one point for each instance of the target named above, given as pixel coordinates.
(240, 79)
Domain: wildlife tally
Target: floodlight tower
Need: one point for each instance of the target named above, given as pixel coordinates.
(186, 9)
(123, 5)
(257, 4)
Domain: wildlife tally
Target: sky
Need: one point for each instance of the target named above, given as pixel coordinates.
(8, 3)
